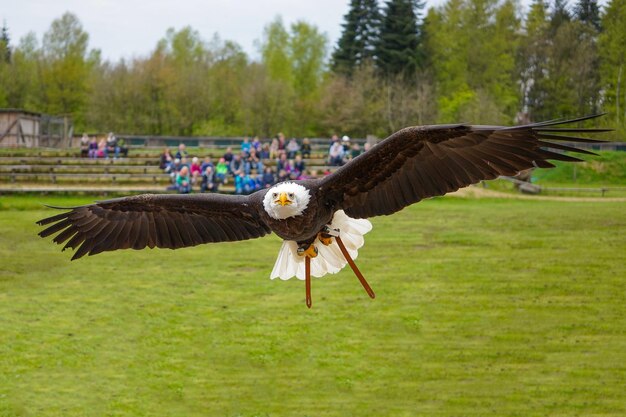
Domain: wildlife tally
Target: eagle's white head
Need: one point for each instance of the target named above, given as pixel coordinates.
(286, 199)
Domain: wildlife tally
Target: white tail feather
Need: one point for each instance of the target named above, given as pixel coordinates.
(329, 260)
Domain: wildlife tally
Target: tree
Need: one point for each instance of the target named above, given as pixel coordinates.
(353, 105)
(65, 67)
(5, 60)
(294, 62)
(5, 44)
(398, 50)
(612, 44)
(532, 60)
(587, 11)
(275, 51)
(493, 29)
(185, 67)
(226, 83)
(560, 14)
(308, 52)
(359, 36)
(472, 46)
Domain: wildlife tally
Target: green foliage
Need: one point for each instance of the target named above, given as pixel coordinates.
(5, 44)
(587, 11)
(483, 307)
(397, 50)
(294, 64)
(608, 168)
(479, 61)
(359, 36)
(65, 69)
(613, 63)
(472, 46)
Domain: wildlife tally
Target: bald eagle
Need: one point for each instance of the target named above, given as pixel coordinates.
(321, 221)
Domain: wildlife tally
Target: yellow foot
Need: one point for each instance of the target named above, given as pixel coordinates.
(325, 239)
(311, 251)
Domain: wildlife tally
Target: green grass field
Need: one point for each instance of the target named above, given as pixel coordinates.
(484, 308)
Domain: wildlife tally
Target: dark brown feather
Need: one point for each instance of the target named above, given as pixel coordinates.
(427, 161)
(166, 221)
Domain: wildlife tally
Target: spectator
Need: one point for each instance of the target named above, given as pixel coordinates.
(93, 148)
(345, 142)
(366, 147)
(255, 162)
(246, 146)
(244, 184)
(333, 139)
(238, 165)
(303, 175)
(306, 148)
(184, 162)
(355, 150)
(265, 151)
(84, 146)
(268, 178)
(283, 175)
(256, 144)
(228, 156)
(250, 185)
(173, 169)
(207, 162)
(284, 164)
(221, 170)
(183, 181)
(112, 146)
(209, 180)
(336, 153)
(121, 143)
(182, 152)
(195, 170)
(281, 142)
(274, 149)
(166, 159)
(102, 148)
(298, 165)
(292, 148)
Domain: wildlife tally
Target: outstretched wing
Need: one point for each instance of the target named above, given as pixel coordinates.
(156, 220)
(426, 161)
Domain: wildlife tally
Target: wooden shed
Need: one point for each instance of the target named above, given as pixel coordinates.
(23, 128)
(19, 128)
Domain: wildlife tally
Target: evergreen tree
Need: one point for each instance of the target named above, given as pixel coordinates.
(359, 36)
(560, 14)
(5, 47)
(587, 11)
(398, 50)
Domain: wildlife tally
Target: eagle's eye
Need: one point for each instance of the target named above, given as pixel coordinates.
(274, 195)
(290, 195)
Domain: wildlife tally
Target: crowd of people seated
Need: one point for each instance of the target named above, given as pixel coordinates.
(107, 147)
(248, 169)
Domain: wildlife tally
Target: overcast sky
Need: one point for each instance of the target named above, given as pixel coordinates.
(126, 28)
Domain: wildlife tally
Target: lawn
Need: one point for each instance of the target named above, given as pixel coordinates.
(484, 307)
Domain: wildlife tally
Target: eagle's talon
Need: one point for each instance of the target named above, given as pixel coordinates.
(310, 251)
(325, 239)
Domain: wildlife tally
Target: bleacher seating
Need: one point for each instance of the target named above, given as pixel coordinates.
(64, 171)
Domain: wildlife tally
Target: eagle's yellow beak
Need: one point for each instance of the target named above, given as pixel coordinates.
(283, 200)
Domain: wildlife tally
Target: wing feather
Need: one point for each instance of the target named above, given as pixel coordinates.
(165, 221)
(427, 161)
